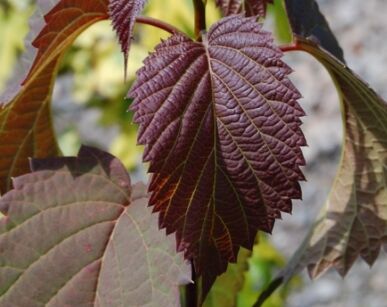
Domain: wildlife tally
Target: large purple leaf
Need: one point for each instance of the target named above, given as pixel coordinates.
(77, 234)
(123, 14)
(220, 121)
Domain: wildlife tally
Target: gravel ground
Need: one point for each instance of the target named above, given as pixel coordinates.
(361, 28)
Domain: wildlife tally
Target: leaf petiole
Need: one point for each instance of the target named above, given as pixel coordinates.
(200, 17)
(158, 24)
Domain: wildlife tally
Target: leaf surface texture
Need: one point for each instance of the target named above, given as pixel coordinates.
(123, 14)
(77, 234)
(221, 125)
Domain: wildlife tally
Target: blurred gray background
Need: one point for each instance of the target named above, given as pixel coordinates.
(361, 28)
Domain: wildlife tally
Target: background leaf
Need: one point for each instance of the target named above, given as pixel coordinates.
(25, 119)
(307, 21)
(220, 121)
(77, 231)
(354, 220)
(225, 290)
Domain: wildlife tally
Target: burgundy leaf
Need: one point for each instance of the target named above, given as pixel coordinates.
(123, 14)
(76, 233)
(220, 121)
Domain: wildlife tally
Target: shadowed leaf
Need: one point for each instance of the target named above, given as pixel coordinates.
(220, 121)
(354, 220)
(25, 119)
(123, 14)
(77, 234)
(307, 21)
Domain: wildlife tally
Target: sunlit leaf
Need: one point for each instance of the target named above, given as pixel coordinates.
(25, 119)
(220, 121)
(77, 234)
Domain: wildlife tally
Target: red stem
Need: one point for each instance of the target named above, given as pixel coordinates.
(291, 47)
(158, 24)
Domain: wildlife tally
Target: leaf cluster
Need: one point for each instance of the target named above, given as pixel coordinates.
(221, 127)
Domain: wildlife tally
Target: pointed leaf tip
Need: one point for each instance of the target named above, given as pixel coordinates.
(123, 15)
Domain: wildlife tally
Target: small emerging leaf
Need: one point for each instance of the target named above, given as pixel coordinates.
(229, 7)
(123, 14)
(253, 7)
(257, 7)
(221, 125)
(77, 234)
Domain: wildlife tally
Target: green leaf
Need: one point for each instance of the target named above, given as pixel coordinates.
(227, 286)
(77, 234)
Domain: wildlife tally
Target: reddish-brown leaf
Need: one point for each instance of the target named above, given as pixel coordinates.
(123, 14)
(25, 119)
(220, 121)
(77, 234)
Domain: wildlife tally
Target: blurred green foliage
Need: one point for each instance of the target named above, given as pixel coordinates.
(95, 65)
(14, 16)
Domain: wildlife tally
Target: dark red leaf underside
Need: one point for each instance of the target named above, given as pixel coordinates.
(123, 14)
(221, 125)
